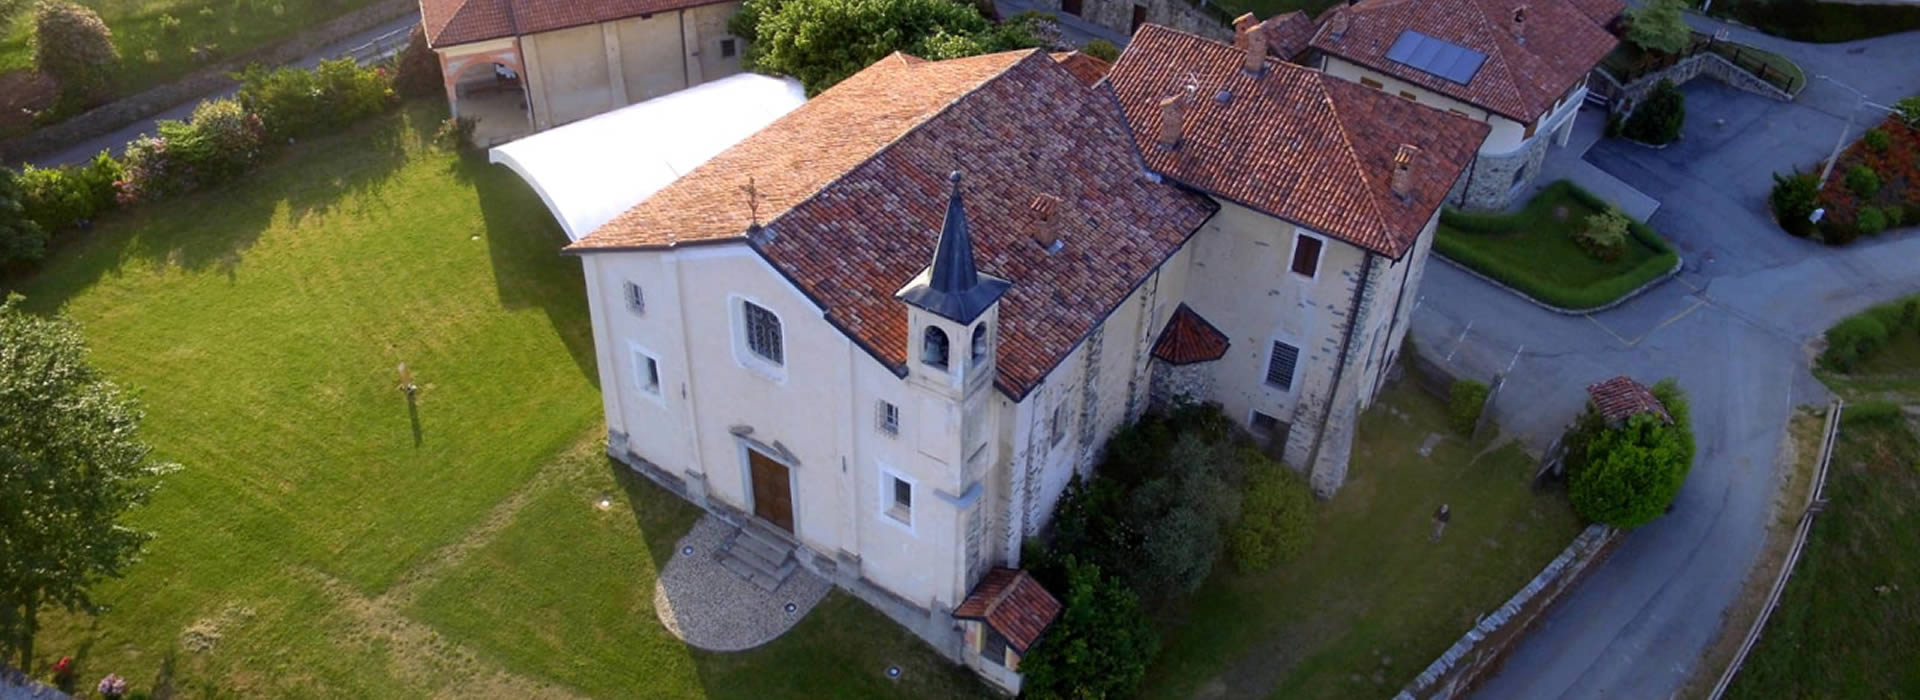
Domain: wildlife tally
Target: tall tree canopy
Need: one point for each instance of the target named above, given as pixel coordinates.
(821, 42)
(1660, 25)
(72, 464)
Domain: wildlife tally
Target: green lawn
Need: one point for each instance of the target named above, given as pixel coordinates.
(1813, 20)
(327, 539)
(1533, 250)
(152, 55)
(1372, 601)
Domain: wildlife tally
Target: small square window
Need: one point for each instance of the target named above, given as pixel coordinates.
(886, 417)
(646, 372)
(1280, 366)
(636, 299)
(728, 48)
(1264, 424)
(898, 499)
(1306, 255)
(902, 494)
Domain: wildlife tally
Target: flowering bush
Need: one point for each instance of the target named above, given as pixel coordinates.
(222, 140)
(294, 102)
(63, 670)
(1880, 188)
(150, 171)
(113, 686)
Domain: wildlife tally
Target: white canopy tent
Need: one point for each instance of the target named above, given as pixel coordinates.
(592, 170)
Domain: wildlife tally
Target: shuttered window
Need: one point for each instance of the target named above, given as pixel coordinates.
(1306, 255)
(1280, 365)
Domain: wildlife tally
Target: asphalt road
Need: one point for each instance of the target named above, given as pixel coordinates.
(117, 141)
(1733, 328)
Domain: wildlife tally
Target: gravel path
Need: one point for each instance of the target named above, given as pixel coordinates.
(712, 608)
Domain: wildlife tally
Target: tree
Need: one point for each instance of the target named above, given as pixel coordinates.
(1660, 26)
(417, 72)
(1099, 647)
(1626, 475)
(73, 464)
(76, 48)
(1793, 200)
(1657, 120)
(21, 239)
(821, 42)
(1101, 49)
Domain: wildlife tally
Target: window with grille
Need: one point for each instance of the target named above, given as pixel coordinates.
(763, 332)
(1306, 255)
(886, 417)
(636, 299)
(1280, 366)
(728, 48)
(1264, 424)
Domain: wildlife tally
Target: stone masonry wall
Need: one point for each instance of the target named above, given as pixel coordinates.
(1117, 15)
(1491, 185)
(1709, 64)
(1170, 382)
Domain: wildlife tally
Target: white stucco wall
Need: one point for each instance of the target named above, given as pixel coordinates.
(577, 72)
(1506, 135)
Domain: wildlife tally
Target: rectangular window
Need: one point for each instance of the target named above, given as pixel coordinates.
(1369, 82)
(899, 499)
(646, 372)
(1306, 255)
(1264, 424)
(994, 647)
(1464, 114)
(1059, 427)
(763, 332)
(728, 48)
(1280, 366)
(636, 299)
(886, 417)
(1409, 96)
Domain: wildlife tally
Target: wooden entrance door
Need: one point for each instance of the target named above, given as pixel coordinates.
(772, 495)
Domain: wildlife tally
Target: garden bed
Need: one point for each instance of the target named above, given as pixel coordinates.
(1533, 251)
(1875, 184)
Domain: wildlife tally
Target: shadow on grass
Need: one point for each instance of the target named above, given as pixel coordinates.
(525, 241)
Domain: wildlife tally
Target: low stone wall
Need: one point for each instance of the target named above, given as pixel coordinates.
(206, 81)
(1705, 63)
(1483, 648)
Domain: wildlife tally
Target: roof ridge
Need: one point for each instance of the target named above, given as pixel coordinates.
(1372, 204)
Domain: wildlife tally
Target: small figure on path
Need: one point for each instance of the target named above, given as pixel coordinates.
(1440, 518)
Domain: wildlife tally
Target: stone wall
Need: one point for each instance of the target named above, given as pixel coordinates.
(1482, 649)
(1706, 63)
(1117, 15)
(1494, 180)
(207, 81)
(1171, 382)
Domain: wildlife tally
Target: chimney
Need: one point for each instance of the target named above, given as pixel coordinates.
(1252, 42)
(1173, 117)
(1040, 220)
(1402, 178)
(1337, 25)
(1519, 25)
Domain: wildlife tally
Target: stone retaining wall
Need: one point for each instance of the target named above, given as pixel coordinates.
(119, 113)
(1483, 648)
(1705, 63)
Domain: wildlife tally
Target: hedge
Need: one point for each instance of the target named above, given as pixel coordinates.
(1526, 282)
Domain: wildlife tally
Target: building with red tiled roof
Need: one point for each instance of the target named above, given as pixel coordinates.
(1521, 67)
(520, 66)
(1620, 398)
(1005, 615)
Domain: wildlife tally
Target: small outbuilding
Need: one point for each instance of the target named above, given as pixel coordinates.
(1001, 619)
(1621, 398)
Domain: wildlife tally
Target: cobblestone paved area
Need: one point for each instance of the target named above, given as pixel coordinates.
(712, 608)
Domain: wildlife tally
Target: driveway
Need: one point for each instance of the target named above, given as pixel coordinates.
(1733, 328)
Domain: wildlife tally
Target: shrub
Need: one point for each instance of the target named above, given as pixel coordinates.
(823, 42)
(1659, 26)
(1658, 119)
(1793, 199)
(56, 199)
(1100, 645)
(1627, 475)
(417, 70)
(1101, 49)
(21, 239)
(1877, 140)
(221, 141)
(456, 134)
(102, 177)
(169, 24)
(150, 172)
(76, 48)
(1465, 401)
(1870, 220)
(294, 102)
(1863, 181)
(1605, 234)
(1909, 110)
(1275, 519)
(1852, 340)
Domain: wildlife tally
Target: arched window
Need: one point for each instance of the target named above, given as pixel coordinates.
(934, 352)
(979, 344)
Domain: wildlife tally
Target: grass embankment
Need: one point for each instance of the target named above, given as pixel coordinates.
(329, 538)
(1534, 252)
(1373, 599)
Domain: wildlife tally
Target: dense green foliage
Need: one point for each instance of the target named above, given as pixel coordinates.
(1818, 21)
(1659, 25)
(1626, 475)
(1793, 199)
(73, 463)
(1275, 520)
(62, 198)
(1876, 139)
(416, 71)
(221, 141)
(76, 48)
(295, 102)
(1605, 234)
(1909, 108)
(1857, 338)
(1100, 645)
(1863, 181)
(1657, 119)
(1101, 49)
(821, 42)
(21, 240)
(1465, 401)
(1534, 251)
(1871, 220)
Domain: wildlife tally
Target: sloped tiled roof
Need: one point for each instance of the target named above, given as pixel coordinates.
(450, 22)
(1292, 142)
(1621, 398)
(1087, 68)
(1288, 34)
(1188, 338)
(1522, 76)
(1013, 604)
(853, 189)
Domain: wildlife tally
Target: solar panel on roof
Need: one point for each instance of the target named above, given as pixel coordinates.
(1436, 56)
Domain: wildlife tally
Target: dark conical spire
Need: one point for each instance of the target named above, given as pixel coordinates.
(952, 286)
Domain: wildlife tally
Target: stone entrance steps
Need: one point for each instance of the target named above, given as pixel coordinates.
(759, 554)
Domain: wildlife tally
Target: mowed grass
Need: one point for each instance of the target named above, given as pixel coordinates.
(1848, 625)
(1534, 251)
(233, 28)
(1373, 600)
(327, 537)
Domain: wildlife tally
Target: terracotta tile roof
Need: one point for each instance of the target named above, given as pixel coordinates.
(450, 22)
(1188, 338)
(1288, 34)
(1013, 604)
(1621, 398)
(1520, 79)
(853, 189)
(1087, 68)
(1292, 142)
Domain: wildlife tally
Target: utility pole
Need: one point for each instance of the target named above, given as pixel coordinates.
(1827, 170)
